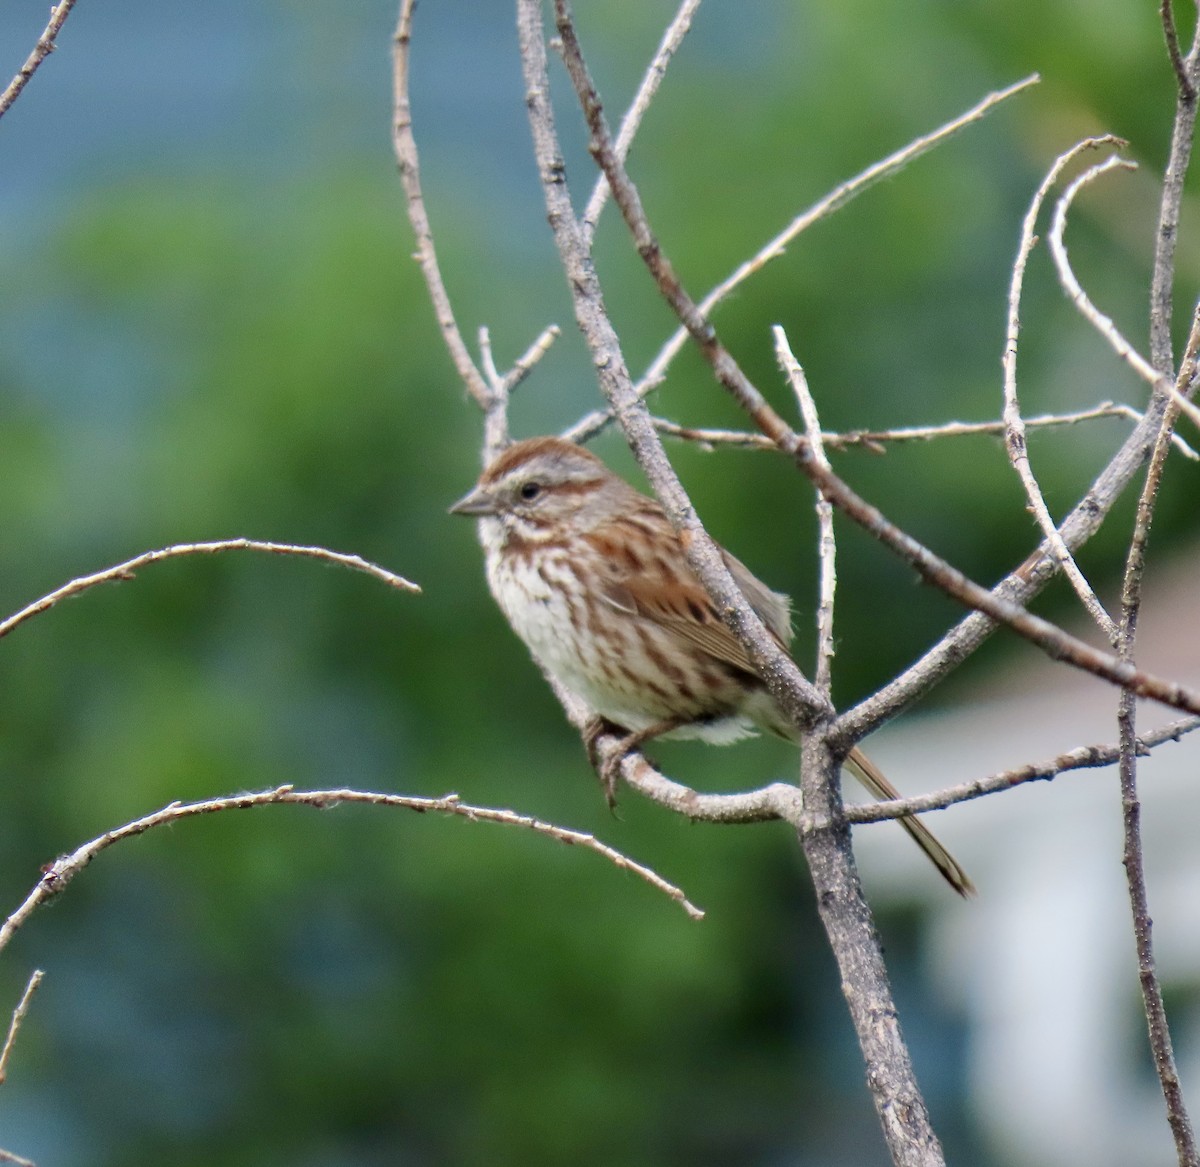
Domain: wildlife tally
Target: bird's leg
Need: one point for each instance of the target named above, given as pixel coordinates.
(609, 769)
(592, 732)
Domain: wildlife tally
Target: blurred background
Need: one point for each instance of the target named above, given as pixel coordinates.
(211, 326)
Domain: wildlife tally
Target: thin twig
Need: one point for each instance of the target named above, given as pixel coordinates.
(655, 72)
(590, 425)
(59, 873)
(18, 1019)
(404, 145)
(126, 570)
(1014, 436)
(1082, 757)
(876, 440)
(502, 384)
(1187, 89)
(1162, 280)
(9, 1157)
(1101, 323)
(487, 358)
(826, 541)
(824, 207)
(1184, 406)
(1131, 811)
(524, 364)
(44, 47)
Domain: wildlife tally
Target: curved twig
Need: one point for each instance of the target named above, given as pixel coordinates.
(59, 873)
(1014, 424)
(126, 570)
(1071, 285)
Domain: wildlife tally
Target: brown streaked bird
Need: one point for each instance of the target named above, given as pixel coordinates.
(592, 577)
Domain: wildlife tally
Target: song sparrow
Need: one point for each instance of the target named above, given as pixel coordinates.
(592, 578)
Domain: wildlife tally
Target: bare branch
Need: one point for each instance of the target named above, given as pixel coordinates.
(1187, 89)
(487, 358)
(404, 144)
(1082, 757)
(1184, 406)
(593, 423)
(826, 541)
(1054, 641)
(657, 70)
(126, 570)
(768, 803)
(18, 1019)
(1162, 281)
(817, 819)
(59, 873)
(1014, 437)
(525, 363)
(502, 384)
(44, 47)
(1131, 811)
(1019, 586)
(1102, 324)
(775, 801)
(875, 440)
(824, 207)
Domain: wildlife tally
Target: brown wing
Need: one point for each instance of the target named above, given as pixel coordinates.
(666, 592)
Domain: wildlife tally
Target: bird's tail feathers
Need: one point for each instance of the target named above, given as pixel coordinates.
(872, 778)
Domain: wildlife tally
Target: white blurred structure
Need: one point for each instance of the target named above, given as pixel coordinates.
(1043, 961)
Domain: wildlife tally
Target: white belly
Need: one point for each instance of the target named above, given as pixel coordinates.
(544, 606)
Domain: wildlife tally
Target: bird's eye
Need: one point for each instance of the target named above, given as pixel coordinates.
(530, 490)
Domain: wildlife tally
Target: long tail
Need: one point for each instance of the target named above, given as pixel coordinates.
(872, 778)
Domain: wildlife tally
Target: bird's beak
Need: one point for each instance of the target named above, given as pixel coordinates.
(477, 502)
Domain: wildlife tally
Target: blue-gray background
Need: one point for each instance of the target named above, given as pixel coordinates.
(210, 325)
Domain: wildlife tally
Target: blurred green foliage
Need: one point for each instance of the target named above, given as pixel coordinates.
(214, 350)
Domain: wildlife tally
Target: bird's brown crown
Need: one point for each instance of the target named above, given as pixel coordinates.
(550, 448)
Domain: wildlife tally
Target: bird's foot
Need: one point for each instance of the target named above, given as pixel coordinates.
(609, 769)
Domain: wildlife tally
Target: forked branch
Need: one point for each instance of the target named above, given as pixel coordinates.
(1135, 875)
(935, 570)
